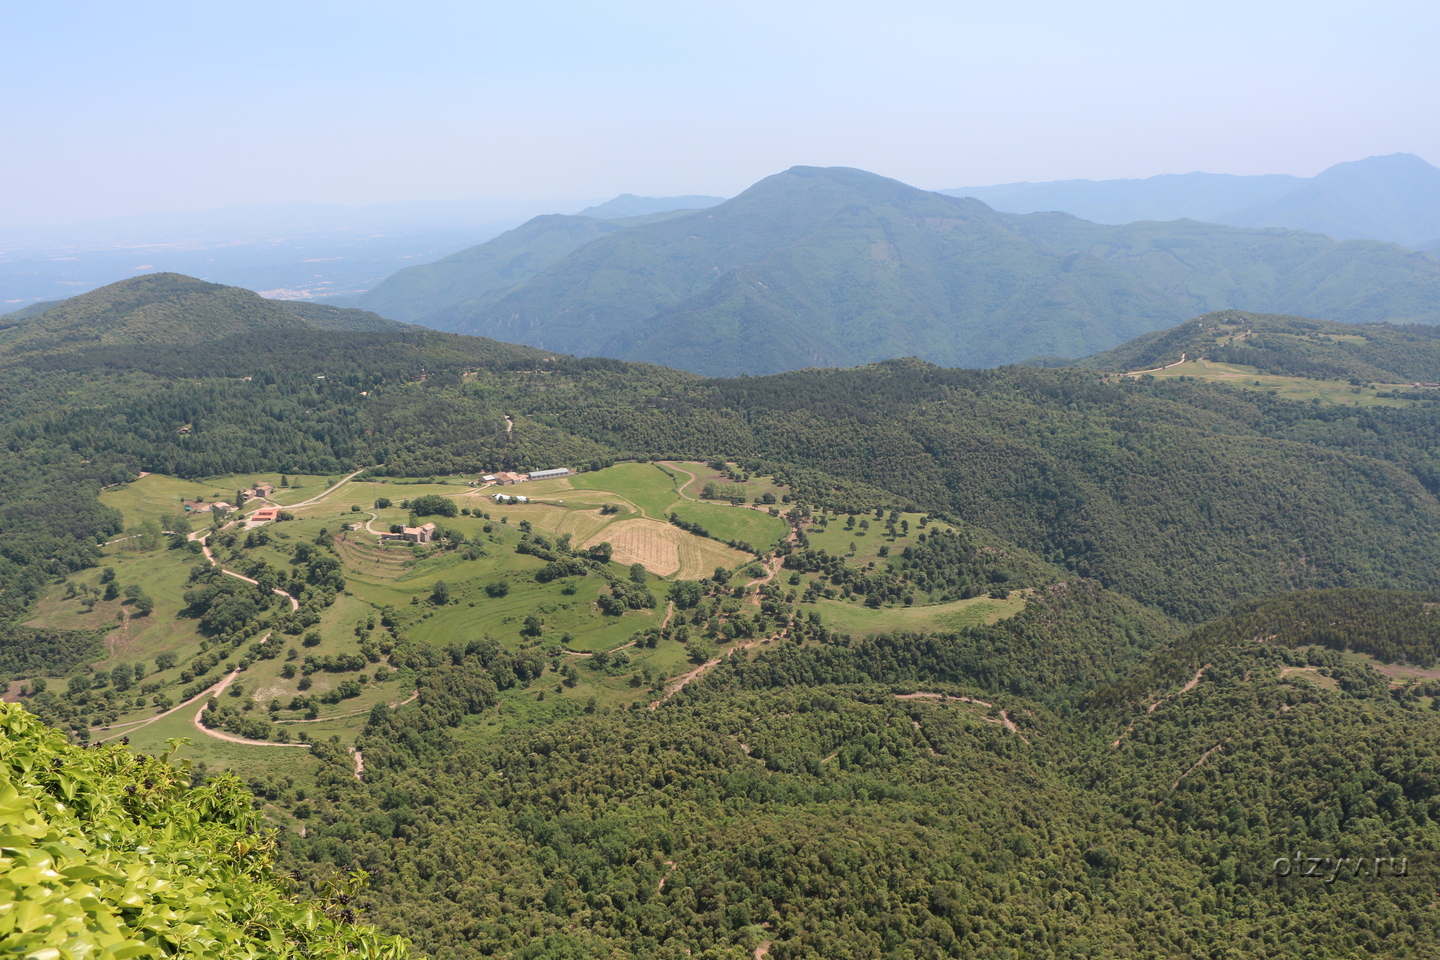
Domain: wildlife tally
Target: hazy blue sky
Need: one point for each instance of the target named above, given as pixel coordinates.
(112, 108)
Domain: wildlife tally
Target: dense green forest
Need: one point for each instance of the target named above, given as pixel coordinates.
(1175, 493)
(1216, 664)
(917, 796)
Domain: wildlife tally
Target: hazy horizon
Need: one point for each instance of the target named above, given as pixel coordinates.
(175, 108)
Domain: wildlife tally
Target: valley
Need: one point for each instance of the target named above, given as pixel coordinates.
(897, 659)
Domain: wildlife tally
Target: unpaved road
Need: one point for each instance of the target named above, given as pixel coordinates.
(1194, 681)
(201, 535)
(318, 497)
(1004, 718)
(678, 684)
(218, 689)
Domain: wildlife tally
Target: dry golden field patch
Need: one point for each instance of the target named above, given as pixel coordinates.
(650, 542)
(699, 557)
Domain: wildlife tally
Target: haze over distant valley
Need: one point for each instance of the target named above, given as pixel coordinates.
(285, 250)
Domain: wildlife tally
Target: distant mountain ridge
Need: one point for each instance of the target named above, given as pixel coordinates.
(1394, 198)
(838, 267)
(629, 205)
(510, 258)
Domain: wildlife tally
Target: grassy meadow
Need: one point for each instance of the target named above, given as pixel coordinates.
(492, 592)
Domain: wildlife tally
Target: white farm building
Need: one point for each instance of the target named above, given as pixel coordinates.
(550, 474)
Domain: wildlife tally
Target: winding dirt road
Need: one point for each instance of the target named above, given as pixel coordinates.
(199, 536)
(216, 690)
(1193, 682)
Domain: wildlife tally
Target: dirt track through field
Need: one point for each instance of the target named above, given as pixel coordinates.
(321, 496)
(678, 684)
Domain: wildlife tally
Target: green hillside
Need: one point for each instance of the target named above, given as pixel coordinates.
(1175, 493)
(168, 308)
(152, 308)
(840, 797)
(822, 267)
(1201, 267)
(325, 316)
(25, 313)
(1287, 346)
(834, 267)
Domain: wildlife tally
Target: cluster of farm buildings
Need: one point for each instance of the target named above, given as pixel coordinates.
(506, 479)
(260, 490)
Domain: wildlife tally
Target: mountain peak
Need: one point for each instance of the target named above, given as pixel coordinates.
(1404, 165)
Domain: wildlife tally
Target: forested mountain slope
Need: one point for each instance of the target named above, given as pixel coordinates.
(328, 316)
(833, 267)
(1201, 267)
(1178, 494)
(168, 308)
(510, 258)
(837, 797)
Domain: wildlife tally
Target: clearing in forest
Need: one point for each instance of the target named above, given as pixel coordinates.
(939, 617)
(645, 485)
(1290, 388)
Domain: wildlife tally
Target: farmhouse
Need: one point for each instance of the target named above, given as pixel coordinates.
(267, 513)
(421, 534)
(549, 474)
(505, 479)
(488, 478)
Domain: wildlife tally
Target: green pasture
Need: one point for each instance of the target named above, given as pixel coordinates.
(154, 496)
(242, 759)
(727, 523)
(161, 574)
(833, 538)
(1289, 388)
(645, 485)
(937, 618)
(472, 613)
(750, 489)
